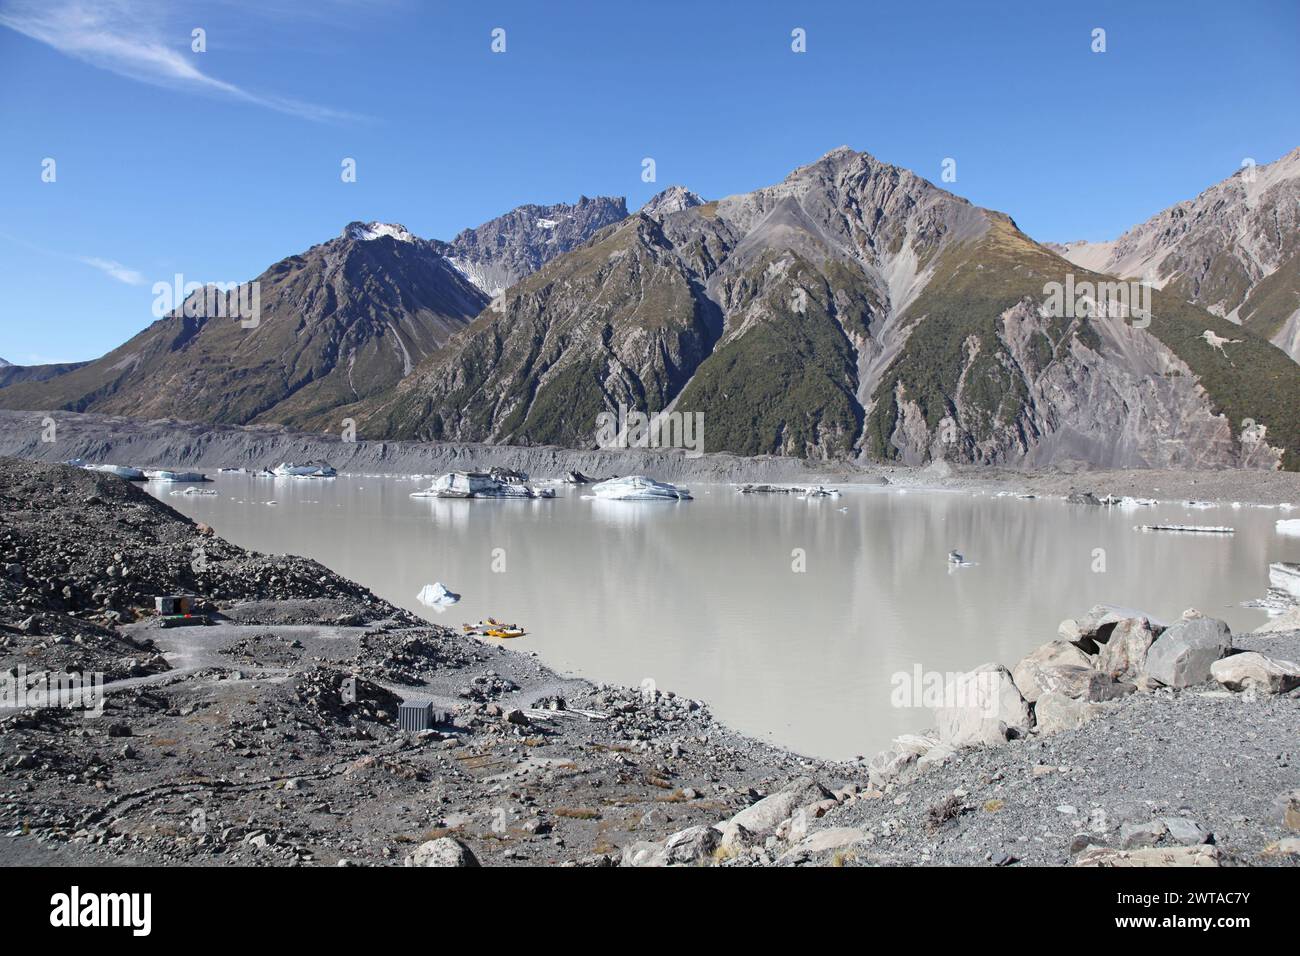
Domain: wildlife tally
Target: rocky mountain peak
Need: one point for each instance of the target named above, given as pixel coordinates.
(837, 160)
(497, 254)
(672, 199)
(367, 231)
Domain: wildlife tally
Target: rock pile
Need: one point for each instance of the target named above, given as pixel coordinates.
(1097, 663)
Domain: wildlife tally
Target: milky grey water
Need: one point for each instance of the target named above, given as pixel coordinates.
(703, 598)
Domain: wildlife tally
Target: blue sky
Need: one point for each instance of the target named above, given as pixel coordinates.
(217, 164)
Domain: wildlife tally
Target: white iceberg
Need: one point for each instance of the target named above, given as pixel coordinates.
(479, 484)
(639, 488)
(1289, 526)
(163, 474)
(1128, 502)
(289, 470)
(130, 474)
(1285, 577)
(820, 492)
(437, 596)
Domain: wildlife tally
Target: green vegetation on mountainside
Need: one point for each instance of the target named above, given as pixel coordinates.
(1251, 379)
(785, 382)
(1273, 301)
(956, 316)
(977, 283)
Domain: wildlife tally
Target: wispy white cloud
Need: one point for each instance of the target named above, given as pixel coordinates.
(123, 36)
(114, 270)
(110, 267)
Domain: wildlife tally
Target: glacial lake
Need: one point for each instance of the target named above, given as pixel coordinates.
(703, 597)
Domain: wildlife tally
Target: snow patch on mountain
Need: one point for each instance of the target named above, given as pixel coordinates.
(476, 274)
(366, 231)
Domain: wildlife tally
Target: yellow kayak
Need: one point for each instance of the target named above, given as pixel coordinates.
(493, 628)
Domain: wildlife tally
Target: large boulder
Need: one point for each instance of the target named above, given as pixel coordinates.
(733, 836)
(1054, 712)
(644, 853)
(1081, 683)
(1146, 833)
(982, 708)
(1123, 656)
(1093, 629)
(1028, 674)
(1204, 855)
(1251, 670)
(823, 841)
(1186, 831)
(693, 846)
(1182, 655)
(445, 851)
(906, 753)
(889, 765)
(763, 816)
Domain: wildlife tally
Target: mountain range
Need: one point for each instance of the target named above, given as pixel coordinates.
(852, 311)
(345, 320)
(11, 374)
(1234, 249)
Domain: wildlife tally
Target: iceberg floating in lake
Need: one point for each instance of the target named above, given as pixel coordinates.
(1186, 528)
(437, 596)
(130, 474)
(820, 492)
(163, 474)
(479, 484)
(1128, 502)
(800, 490)
(289, 470)
(1288, 526)
(639, 488)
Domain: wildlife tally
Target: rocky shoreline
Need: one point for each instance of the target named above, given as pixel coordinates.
(1120, 743)
(173, 444)
(269, 736)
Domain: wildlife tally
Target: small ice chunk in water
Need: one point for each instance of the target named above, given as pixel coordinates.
(437, 596)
